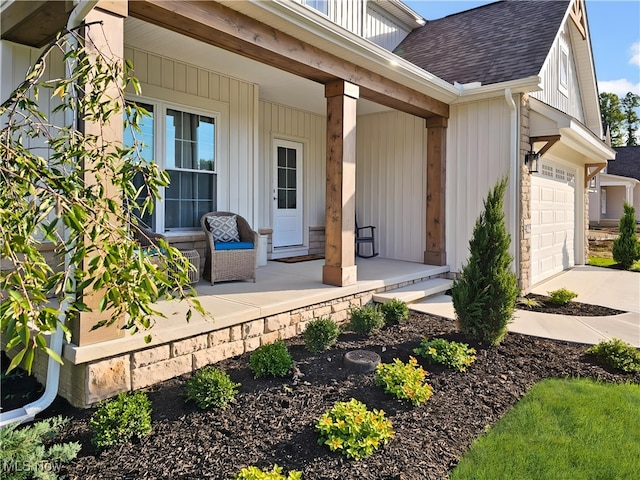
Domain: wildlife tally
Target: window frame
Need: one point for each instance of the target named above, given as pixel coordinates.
(159, 149)
(563, 66)
(317, 3)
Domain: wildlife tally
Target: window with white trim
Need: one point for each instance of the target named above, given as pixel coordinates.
(186, 149)
(320, 5)
(563, 70)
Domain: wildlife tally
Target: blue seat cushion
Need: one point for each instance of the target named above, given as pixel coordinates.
(234, 245)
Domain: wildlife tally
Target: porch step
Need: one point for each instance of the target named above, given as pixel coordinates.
(417, 291)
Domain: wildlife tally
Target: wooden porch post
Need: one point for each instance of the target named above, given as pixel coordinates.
(108, 39)
(436, 187)
(339, 268)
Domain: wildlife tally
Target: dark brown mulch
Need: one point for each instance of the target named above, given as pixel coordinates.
(577, 309)
(272, 420)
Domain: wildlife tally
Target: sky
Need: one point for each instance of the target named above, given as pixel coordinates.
(614, 27)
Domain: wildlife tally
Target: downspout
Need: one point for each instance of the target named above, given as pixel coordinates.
(514, 183)
(29, 411)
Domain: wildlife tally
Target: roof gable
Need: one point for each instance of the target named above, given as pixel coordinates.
(499, 42)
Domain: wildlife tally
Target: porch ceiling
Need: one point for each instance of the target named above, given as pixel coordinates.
(275, 85)
(223, 27)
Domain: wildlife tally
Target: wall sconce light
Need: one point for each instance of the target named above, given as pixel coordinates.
(531, 160)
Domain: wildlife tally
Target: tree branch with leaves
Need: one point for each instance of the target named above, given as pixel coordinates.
(75, 190)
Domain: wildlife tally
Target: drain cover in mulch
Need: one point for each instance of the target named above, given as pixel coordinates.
(361, 361)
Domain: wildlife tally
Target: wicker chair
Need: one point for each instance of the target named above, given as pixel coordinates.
(230, 260)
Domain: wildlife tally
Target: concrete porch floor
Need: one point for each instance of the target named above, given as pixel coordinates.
(279, 287)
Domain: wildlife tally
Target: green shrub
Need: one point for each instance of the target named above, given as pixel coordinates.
(351, 429)
(626, 248)
(320, 334)
(120, 419)
(484, 296)
(451, 354)
(394, 311)
(404, 380)
(254, 473)
(272, 359)
(366, 319)
(23, 454)
(617, 354)
(528, 302)
(211, 387)
(562, 296)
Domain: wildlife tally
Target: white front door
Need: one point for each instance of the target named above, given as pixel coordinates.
(287, 194)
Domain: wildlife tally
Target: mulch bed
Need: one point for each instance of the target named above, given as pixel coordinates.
(577, 309)
(272, 420)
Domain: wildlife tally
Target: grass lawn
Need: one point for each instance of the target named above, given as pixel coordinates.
(562, 429)
(610, 262)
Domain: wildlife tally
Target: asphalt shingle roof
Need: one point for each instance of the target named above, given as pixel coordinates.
(627, 162)
(495, 43)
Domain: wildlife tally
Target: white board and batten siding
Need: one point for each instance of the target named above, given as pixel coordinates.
(15, 61)
(391, 182)
(553, 220)
(234, 101)
(569, 99)
(478, 155)
(382, 29)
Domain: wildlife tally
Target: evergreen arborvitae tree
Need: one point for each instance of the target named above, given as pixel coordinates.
(626, 248)
(484, 296)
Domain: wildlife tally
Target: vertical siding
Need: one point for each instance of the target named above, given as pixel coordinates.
(478, 154)
(382, 30)
(551, 94)
(193, 86)
(279, 121)
(391, 182)
(347, 14)
(15, 62)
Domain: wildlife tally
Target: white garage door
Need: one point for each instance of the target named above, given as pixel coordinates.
(552, 221)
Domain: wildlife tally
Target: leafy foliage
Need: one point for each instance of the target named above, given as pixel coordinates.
(455, 355)
(351, 429)
(618, 354)
(630, 103)
(562, 296)
(67, 199)
(255, 473)
(528, 302)
(394, 311)
(485, 294)
(210, 387)
(404, 380)
(121, 419)
(626, 248)
(272, 359)
(23, 454)
(612, 116)
(320, 334)
(366, 319)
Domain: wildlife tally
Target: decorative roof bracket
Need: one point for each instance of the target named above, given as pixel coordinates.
(550, 142)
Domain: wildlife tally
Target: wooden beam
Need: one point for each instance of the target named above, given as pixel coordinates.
(550, 139)
(589, 174)
(34, 23)
(217, 25)
(340, 213)
(435, 253)
(578, 16)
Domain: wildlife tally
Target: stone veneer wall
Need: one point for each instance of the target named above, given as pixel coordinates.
(85, 384)
(525, 198)
(316, 240)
